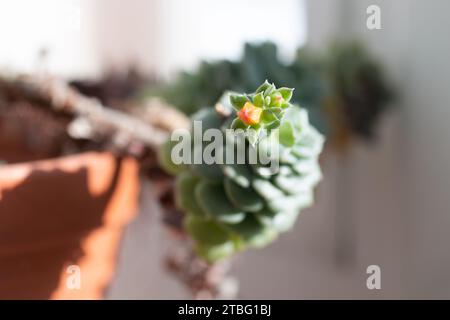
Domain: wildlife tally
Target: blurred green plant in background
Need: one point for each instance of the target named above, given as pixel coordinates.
(360, 93)
(343, 88)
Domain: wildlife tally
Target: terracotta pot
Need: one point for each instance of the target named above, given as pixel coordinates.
(59, 213)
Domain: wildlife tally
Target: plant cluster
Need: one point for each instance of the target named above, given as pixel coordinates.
(231, 207)
(343, 88)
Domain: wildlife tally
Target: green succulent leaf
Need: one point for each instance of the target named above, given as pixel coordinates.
(240, 174)
(291, 203)
(266, 189)
(266, 216)
(208, 232)
(263, 87)
(238, 101)
(253, 136)
(209, 119)
(258, 100)
(305, 166)
(238, 124)
(295, 183)
(285, 105)
(213, 253)
(214, 202)
(263, 172)
(286, 93)
(252, 232)
(267, 147)
(245, 199)
(184, 193)
(284, 221)
(165, 159)
(269, 90)
(210, 172)
(273, 125)
(213, 241)
(286, 134)
(269, 115)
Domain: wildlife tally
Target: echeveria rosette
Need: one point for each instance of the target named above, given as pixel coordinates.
(231, 207)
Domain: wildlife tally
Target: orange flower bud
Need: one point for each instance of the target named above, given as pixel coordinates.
(249, 114)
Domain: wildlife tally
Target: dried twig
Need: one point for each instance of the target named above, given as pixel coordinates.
(91, 117)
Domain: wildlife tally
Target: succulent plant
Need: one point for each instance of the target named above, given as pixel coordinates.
(233, 206)
(202, 87)
(360, 91)
(344, 88)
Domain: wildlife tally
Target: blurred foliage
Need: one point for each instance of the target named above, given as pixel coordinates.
(343, 89)
(360, 93)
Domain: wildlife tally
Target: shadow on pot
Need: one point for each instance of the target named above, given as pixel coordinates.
(61, 213)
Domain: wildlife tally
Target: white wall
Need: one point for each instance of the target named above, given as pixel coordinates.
(400, 186)
(427, 147)
(85, 37)
(165, 36)
(63, 28)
